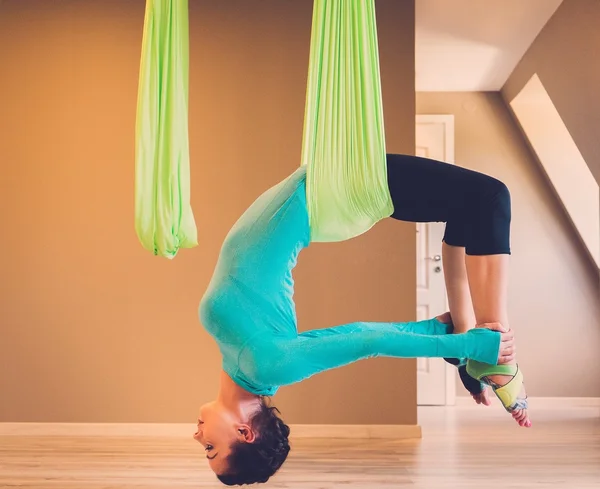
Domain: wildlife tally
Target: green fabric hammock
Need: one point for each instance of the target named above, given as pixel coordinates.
(164, 220)
(344, 140)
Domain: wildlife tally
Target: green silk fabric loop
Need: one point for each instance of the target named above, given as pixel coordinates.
(164, 220)
(344, 138)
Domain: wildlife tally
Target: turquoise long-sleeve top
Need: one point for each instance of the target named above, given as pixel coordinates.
(249, 308)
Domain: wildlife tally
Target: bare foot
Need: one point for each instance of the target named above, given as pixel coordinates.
(483, 398)
(520, 415)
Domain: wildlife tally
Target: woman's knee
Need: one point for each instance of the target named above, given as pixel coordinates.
(492, 198)
(491, 219)
(501, 199)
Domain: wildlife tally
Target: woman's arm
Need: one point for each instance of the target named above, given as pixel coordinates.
(290, 360)
(428, 327)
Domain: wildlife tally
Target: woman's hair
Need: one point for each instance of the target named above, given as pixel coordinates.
(250, 463)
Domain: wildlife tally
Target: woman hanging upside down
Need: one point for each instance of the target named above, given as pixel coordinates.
(249, 310)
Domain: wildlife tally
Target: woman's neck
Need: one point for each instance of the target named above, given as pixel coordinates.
(236, 399)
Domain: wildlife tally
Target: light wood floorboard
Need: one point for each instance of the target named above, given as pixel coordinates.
(461, 448)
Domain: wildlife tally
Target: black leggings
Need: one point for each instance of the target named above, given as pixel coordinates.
(475, 207)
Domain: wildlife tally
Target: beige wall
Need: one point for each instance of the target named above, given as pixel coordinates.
(93, 327)
(553, 301)
(565, 57)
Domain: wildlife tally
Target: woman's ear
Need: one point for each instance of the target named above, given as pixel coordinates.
(244, 433)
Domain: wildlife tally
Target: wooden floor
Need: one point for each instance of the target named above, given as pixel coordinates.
(461, 448)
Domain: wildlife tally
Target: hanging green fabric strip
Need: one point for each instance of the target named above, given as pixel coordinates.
(164, 220)
(344, 140)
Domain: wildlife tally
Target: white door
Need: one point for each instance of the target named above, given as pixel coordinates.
(435, 378)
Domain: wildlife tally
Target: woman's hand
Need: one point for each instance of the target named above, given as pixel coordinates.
(507, 344)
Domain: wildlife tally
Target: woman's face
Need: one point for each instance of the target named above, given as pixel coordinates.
(218, 430)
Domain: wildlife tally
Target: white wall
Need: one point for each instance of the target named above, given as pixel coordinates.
(561, 160)
(553, 300)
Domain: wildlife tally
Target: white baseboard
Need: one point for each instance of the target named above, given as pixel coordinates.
(186, 430)
(176, 430)
(543, 402)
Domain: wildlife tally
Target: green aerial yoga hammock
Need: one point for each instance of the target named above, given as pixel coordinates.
(344, 139)
(164, 221)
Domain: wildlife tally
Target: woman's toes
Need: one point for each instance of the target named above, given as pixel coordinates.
(486, 398)
(482, 398)
(520, 417)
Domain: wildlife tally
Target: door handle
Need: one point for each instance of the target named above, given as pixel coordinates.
(434, 258)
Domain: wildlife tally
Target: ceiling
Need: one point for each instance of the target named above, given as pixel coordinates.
(474, 45)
